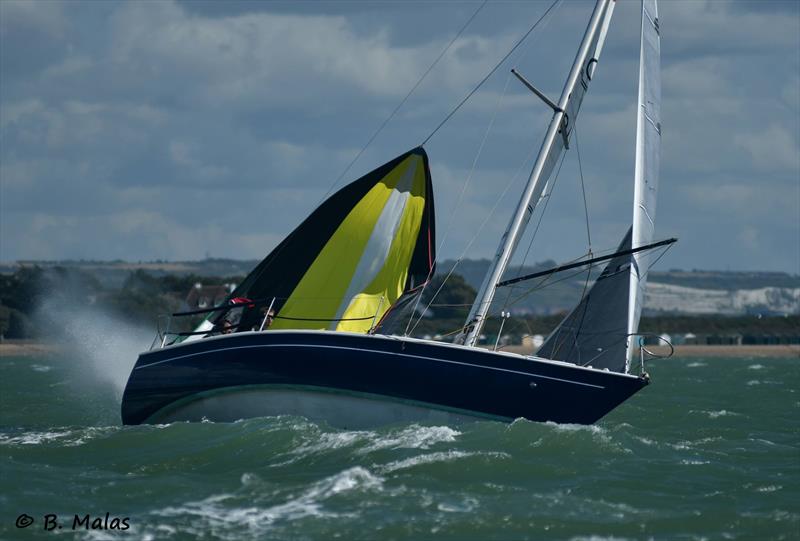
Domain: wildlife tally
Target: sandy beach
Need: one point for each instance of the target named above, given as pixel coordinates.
(26, 348)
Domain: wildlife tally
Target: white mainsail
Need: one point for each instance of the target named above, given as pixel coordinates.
(648, 157)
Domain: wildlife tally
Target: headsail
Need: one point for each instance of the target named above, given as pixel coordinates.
(361, 251)
(595, 332)
(648, 157)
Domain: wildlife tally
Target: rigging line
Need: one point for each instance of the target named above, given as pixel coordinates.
(385, 122)
(486, 78)
(403, 101)
(583, 188)
(461, 195)
(543, 284)
(510, 183)
(577, 333)
(547, 194)
(650, 266)
(520, 57)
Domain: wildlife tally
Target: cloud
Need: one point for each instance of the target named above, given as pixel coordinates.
(772, 148)
(166, 130)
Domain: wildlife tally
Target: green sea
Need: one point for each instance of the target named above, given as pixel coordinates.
(710, 450)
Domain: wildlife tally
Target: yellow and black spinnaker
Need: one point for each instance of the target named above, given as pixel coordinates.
(363, 253)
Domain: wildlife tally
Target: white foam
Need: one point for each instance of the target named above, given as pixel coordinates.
(329, 441)
(756, 367)
(414, 437)
(442, 456)
(219, 510)
(41, 367)
(568, 427)
(464, 506)
(66, 438)
(720, 413)
(595, 537)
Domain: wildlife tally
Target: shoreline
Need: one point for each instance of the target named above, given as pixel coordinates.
(27, 348)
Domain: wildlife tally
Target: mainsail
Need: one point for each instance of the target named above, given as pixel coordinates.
(365, 249)
(648, 158)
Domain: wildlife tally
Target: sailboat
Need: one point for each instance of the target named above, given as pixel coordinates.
(316, 328)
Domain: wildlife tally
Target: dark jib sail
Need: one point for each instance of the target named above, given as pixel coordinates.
(596, 331)
(367, 248)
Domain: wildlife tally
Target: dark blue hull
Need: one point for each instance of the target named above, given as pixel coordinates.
(465, 381)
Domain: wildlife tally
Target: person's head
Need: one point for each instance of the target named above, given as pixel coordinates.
(227, 327)
(268, 314)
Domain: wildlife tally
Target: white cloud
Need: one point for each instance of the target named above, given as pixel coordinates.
(771, 149)
(266, 56)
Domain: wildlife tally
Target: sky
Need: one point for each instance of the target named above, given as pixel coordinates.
(183, 130)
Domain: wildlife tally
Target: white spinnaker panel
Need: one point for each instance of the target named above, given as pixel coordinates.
(648, 157)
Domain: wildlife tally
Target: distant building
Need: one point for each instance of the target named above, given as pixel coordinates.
(201, 296)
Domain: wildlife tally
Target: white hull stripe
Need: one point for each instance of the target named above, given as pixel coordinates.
(375, 351)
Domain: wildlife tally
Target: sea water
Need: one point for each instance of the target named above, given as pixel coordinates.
(710, 450)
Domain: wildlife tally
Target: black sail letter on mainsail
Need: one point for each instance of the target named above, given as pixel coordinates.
(596, 331)
(362, 251)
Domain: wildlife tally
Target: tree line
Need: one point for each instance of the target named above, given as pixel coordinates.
(144, 296)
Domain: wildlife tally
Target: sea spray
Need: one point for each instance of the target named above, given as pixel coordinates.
(101, 346)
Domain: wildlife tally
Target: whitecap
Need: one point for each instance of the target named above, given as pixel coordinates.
(756, 367)
(769, 488)
(464, 506)
(41, 367)
(753, 382)
(441, 456)
(68, 438)
(594, 537)
(329, 441)
(716, 414)
(569, 427)
(216, 511)
(414, 437)
(720, 413)
(693, 462)
(696, 364)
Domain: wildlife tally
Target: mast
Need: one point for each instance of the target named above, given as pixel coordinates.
(555, 141)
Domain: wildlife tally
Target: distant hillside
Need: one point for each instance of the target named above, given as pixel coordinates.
(673, 291)
(113, 274)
